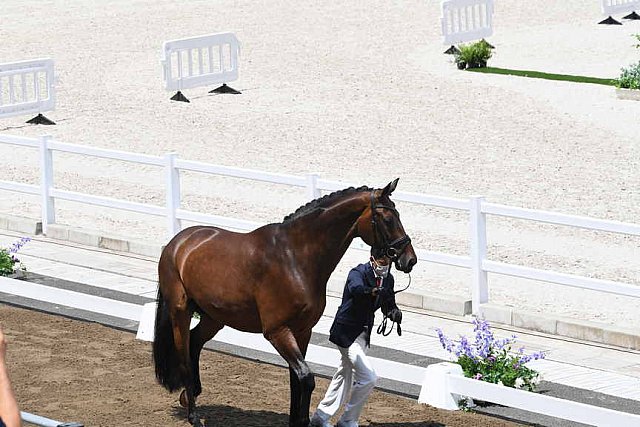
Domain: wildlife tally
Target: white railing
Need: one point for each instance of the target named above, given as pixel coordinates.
(466, 20)
(613, 7)
(444, 386)
(26, 87)
(37, 420)
(200, 61)
(476, 207)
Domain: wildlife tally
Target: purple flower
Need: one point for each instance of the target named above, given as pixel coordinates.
(477, 376)
(19, 244)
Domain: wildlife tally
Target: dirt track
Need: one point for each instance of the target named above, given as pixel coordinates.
(76, 371)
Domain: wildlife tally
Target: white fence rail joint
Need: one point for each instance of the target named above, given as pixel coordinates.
(613, 7)
(476, 206)
(444, 386)
(27, 87)
(200, 61)
(465, 20)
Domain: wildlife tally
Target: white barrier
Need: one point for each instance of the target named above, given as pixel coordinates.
(27, 87)
(478, 209)
(444, 385)
(466, 20)
(613, 7)
(200, 61)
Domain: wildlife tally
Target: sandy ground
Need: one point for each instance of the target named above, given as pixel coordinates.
(60, 369)
(358, 93)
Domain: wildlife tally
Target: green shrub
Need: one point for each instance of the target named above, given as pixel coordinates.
(474, 55)
(629, 77)
(9, 263)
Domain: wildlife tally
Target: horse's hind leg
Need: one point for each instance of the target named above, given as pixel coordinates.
(206, 329)
(180, 314)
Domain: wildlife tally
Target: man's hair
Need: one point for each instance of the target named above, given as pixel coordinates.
(377, 253)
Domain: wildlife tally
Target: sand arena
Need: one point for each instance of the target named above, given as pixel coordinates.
(359, 93)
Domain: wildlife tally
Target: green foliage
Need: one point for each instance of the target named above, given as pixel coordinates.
(9, 263)
(546, 76)
(6, 263)
(629, 77)
(474, 55)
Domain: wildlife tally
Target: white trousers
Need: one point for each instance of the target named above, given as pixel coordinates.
(352, 383)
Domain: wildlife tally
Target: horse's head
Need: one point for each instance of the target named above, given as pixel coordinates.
(380, 227)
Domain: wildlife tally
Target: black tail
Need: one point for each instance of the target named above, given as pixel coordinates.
(165, 356)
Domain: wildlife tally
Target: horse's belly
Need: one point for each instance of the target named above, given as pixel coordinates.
(239, 315)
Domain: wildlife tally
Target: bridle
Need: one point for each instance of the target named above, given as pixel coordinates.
(391, 249)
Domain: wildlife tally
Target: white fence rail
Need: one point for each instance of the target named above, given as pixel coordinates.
(476, 206)
(444, 385)
(200, 61)
(26, 87)
(466, 20)
(613, 7)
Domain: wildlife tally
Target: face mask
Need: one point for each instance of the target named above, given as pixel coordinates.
(380, 270)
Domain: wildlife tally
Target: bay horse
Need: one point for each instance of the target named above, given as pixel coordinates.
(272, 280)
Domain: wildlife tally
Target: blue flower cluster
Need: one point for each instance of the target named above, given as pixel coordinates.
(16, 246)
(490, 359)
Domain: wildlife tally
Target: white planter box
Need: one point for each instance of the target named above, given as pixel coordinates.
(628, 94)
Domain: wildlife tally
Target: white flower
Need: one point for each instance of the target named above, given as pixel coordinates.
(519, 383)
(536, 380)
(500, 383)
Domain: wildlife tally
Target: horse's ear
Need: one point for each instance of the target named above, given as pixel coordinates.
(386, 191)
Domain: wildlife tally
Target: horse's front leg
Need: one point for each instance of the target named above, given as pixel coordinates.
(302, 379)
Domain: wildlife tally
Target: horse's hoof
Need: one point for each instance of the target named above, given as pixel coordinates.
(184, 401)
(194, 420)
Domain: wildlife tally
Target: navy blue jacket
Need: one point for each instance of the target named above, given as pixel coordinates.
(356, 313)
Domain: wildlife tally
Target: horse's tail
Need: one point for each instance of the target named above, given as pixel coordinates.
(165, 354)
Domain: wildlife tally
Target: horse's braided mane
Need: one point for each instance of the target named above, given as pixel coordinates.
(323, 202)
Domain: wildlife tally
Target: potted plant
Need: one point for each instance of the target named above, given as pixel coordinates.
(486, 358)
(10, 265)
(474, 55)
(628, 84)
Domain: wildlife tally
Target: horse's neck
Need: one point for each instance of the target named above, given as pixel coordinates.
(332, 234)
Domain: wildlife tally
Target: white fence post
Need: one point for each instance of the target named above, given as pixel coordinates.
(46, 182)
(435, 387)
(312, 186)
(172, 185)
(478, 240)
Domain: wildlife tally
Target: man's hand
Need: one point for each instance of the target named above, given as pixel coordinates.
(395, 315)
(375, 291)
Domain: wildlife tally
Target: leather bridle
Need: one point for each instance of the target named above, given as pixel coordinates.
(392, 249)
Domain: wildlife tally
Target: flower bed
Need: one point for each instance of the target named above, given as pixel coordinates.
(489, 359)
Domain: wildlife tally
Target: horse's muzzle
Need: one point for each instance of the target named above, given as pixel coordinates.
(406, 263)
